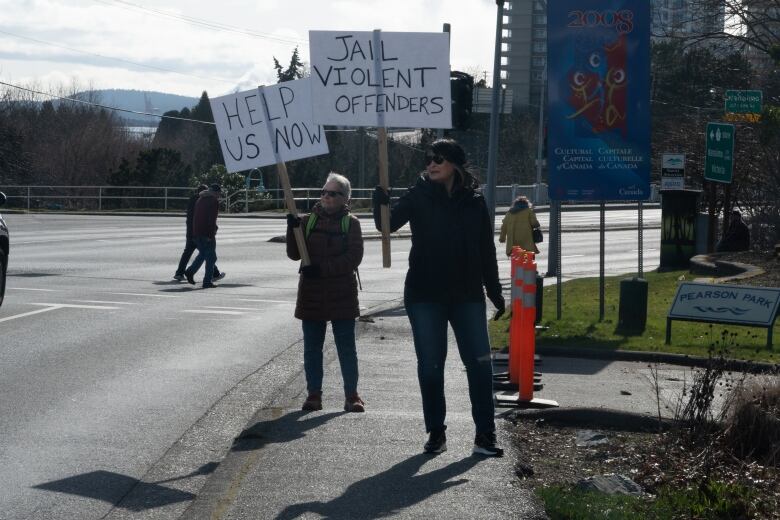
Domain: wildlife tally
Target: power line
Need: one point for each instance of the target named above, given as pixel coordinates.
(199, 22)
(107, 107)
(222, 80)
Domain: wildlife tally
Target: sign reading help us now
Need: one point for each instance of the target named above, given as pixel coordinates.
(719, 303)
(267, 125)
(381, 79)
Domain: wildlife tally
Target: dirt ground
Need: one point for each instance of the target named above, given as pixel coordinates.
(766, 261)
(549, 455)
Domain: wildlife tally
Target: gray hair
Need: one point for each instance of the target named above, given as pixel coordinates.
(342, 181)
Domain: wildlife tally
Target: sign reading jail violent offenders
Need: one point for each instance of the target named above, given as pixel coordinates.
(267, 125)
(382, 79)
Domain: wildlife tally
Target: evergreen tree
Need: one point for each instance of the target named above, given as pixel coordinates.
(293, 71)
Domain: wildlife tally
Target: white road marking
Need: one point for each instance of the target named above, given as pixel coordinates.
(235, 308)
(70, 306)
(144, 294)
(265, 301)
(233, 313)
(572, 256)
(29, 289)
(54, 306)
(101, 301)
(9, 318)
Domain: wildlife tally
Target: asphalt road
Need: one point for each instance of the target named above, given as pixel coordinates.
(107, 363)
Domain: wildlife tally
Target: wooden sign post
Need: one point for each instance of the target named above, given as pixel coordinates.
(384, 182)
(289, 201)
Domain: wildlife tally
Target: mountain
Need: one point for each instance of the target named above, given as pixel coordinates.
(142, 101)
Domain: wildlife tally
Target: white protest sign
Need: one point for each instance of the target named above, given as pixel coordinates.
(382, 79)
(248, 140)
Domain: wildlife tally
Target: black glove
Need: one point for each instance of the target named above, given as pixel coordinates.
(498, 302)
(293, 221)
(380, 196)
(310, 271)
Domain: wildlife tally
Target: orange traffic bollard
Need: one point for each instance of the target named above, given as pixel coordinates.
(515, 325)
(528, 336)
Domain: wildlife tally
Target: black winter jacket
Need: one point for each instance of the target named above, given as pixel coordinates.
(453, 250)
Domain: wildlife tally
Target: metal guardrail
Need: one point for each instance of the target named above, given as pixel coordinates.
(174, 198)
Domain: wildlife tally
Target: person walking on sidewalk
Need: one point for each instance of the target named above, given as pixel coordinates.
(204, 232)
(189, 246)
(453, 256)
(327, 288)
(518, 225)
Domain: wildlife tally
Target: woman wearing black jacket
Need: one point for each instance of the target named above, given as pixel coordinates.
(453, 256)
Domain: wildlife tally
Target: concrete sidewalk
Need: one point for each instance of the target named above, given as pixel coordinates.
(330, 464)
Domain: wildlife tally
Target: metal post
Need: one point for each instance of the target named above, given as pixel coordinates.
(540, 142)
(28, 199)
(601, 261)
(246, 200)
(558, 258)
(100, 198)
(641, 239)
(166, 199)
(362, 156)
(440, 131)
(490, 189)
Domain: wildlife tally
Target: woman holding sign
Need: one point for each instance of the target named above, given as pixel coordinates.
(452, 257)
(327, 288)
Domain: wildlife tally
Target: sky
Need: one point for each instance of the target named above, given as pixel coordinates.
(188, 46)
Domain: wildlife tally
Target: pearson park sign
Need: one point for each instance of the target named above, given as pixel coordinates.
(726, 304)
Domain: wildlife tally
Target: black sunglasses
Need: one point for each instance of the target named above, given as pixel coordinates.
(330, 193)
(438, 159)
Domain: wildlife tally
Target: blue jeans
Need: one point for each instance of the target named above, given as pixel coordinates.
(207, 251)
(429, 328)
(313, 341)
(189, 248)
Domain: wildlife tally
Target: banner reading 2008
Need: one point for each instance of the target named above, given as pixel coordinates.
(598, 140)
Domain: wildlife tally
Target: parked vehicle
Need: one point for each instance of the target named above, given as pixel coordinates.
(4, 250)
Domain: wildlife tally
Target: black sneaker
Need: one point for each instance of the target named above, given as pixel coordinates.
(485, 444)
(209, 285)
(437, 441)
(190, 277)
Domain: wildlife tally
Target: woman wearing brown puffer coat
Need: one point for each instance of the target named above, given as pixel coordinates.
(327, 288)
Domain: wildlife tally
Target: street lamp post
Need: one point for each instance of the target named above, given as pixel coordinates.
(490, 189)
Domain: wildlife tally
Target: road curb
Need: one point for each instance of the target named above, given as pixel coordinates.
(752, 367)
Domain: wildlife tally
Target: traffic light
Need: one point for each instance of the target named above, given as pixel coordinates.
(461, 90)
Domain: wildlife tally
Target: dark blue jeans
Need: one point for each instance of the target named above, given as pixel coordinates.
(429, 328)
(207, 252)
(313, 341)
(189, 248)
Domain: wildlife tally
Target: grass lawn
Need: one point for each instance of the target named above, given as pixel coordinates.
(579, 325)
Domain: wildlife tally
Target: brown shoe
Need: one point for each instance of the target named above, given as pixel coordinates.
(313, 402)
(353, 403)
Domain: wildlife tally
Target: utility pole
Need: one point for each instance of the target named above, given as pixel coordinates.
(490, 189)
(445, 28)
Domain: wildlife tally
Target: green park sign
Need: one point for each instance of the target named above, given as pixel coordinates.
(743, 105)
(719, 160)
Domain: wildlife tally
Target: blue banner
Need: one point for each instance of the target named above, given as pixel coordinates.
(598, 70)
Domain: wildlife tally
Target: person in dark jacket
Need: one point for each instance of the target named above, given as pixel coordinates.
(453, 256)
(327, 288)
(204, 232)
(736, 237)
(189, 246)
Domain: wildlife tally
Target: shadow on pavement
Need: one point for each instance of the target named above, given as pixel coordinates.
(594, 417)
(279, 429)
(556, 365)
(386, 493)
(123, 491)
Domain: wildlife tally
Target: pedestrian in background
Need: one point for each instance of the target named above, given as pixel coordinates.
(189, 245)
(453, 256)
(518, 225)
(204, 232)
(327, 288)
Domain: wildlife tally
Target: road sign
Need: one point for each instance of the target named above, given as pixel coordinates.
(673, 171)
(719, 159)
(744, 101)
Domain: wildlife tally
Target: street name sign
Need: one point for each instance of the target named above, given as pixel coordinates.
(728, 304)
(719, 159)
(744, 101)
(673, 171)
